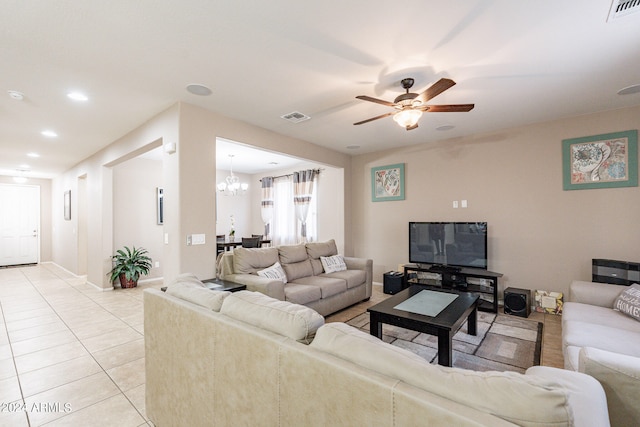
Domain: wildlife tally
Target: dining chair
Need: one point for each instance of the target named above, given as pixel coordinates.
(251, 242)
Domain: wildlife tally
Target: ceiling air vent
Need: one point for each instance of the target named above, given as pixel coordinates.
(295, 117)
(621, 8)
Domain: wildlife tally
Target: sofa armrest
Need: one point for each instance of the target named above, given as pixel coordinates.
(362, 264)
(586, 396)
(619, 375)
(600, 294)
(271, 287)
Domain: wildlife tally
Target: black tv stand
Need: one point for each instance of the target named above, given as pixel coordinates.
(442, 268)
(482, 282)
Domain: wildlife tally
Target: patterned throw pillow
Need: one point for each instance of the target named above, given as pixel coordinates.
(331, 264)
(274, 272)
(628, 302)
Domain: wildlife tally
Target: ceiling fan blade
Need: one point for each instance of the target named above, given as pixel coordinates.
(376, 118)
(435, 89)
(453, 108)
(376, 100)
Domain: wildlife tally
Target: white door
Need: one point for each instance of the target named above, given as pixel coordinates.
(19, 224)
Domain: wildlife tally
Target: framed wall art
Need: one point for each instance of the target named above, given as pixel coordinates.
(387, 183)
(600, 161)
(67, 205)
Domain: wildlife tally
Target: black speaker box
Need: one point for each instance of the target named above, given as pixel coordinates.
(392, 282)
(615, 272)
(517, 302)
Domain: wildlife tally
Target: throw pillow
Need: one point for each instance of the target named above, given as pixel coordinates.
(274, 272)
(628, 302)
(334, 263)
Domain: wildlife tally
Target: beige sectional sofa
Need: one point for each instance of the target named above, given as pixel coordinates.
(306, 281)
(259, 361)
(604, 343)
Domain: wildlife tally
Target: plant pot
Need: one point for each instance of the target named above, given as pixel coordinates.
(126, 284)
(232, 238)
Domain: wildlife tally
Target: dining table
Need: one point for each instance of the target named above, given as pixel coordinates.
(228, 245)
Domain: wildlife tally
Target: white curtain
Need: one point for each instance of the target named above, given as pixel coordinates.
(267, 204)
(284, 213)
(303, 193)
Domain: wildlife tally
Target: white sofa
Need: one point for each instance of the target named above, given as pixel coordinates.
(306, 281)
(250, 364)
(604, 343)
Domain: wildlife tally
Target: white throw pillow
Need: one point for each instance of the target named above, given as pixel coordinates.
(628, 302)
(334, 263)
(274, 272)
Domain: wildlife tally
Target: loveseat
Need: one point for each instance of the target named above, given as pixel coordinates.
(604, 343)
(246, 359)
(302, 277)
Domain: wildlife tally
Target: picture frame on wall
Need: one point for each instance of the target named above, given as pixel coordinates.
(67, 205)
(600, 161)
(160, 204)
(387, 183)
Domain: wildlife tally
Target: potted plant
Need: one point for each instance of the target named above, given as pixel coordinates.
(128, 265)
(232, 231)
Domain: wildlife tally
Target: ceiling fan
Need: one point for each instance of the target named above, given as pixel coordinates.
(410, 106)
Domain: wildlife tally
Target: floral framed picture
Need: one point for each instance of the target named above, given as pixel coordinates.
(600, 161)
(387, 183)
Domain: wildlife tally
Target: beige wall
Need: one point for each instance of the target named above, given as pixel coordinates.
(540, 236)
(45, 213)
(188, 179)
(135, 220)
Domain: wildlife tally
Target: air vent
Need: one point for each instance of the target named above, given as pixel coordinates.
(621, 8)
(295, 117)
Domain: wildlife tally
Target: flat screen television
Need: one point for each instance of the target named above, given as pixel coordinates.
(448, 244)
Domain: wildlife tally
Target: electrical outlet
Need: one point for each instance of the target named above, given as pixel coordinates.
(455, 204)
(463, 203)
(157, 264)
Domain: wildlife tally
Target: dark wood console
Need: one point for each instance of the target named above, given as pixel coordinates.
(482, 282)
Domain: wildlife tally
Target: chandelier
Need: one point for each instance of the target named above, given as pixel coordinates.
(231, 186)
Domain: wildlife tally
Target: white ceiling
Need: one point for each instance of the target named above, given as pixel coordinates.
(519, 61)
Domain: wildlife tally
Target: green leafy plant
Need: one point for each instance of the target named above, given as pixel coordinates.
(130, 264)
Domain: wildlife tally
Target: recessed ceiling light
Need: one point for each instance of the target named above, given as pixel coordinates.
(198, 89)
(49, 133)
(352, 147)
(77, 96)
(445, 127)
(629, 90)
(34, 155)
(18, 96)
(273, 163)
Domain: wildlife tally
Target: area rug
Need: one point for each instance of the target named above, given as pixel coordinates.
(503, 343)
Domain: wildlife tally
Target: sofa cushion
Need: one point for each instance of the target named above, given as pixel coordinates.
(198, 294)
(628, 302)
(301, 293)
(295, 261)
(587, 334)
(284, 318)
(317, 249)
(353, 278)
(328, 286)
(331, 264)
(619, 374)
(604, 316)
(274, 272)
(184, 278)
(250, 260)
(508, 395)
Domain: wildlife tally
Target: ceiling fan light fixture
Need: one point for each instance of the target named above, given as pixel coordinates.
(407, 117)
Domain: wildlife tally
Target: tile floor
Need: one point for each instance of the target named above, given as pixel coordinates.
(70, 354)
(73, 355)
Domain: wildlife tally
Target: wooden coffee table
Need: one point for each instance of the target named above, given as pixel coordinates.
(444, 325)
